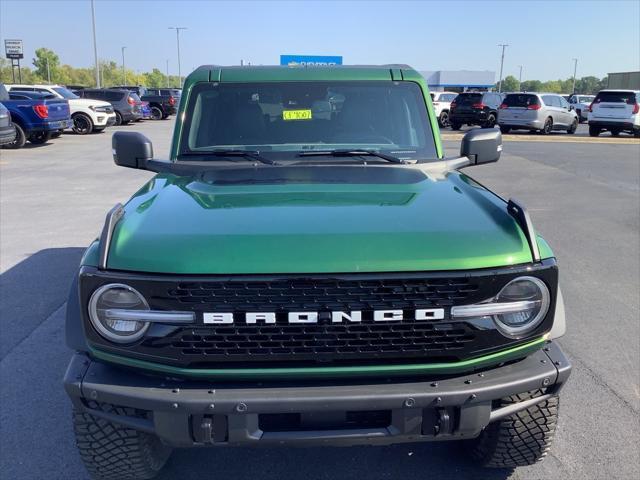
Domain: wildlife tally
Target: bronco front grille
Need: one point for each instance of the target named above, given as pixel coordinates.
(324, 342)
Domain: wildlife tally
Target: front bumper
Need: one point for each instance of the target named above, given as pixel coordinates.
(185, 413)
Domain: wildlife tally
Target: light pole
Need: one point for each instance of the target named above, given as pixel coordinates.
(177, 29)
(575, 68)
(520, 79)
(95, 44)
(48, 71)
(167, 73)
(503, 45)
(124, 71)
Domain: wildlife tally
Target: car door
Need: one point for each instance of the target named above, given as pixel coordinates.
(567, 113)
(551, 109)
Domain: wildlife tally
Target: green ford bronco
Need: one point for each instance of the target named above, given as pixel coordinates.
(307, 268)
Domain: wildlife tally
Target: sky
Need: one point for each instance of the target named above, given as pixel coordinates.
(543, 36)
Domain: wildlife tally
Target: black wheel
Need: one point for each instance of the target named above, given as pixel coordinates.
(579, 113)
(114, 452)
(490, 122)
(594, 131)
(82, 124)
(455, 126)
(118, 118)
(443, 119)
(98, 129)
(615, 132)
(521, 439)
(56, 134)
(39, 138)
(548, 126)
(156, 113)
(573, 127)
(505, 129)
(636, 133)
(165, 116)
(20, 139)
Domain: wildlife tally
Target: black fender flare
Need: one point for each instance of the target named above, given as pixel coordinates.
(73, 326)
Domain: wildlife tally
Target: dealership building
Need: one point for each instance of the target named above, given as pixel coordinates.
(459, 80)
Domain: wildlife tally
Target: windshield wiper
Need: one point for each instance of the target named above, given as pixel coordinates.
(351, 153)
(250, 154)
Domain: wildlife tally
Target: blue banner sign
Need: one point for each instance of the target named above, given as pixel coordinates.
(310, 60)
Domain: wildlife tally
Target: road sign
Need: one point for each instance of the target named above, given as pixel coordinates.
(310, 60)
(13, 49)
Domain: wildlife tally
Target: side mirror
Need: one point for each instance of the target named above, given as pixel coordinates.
(482, 145)
(571, 107)
(131, 149)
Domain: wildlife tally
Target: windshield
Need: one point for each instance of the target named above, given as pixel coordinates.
(285, 118)
(68, 94)
(616, 97)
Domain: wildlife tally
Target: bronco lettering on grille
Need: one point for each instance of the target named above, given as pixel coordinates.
(227, 318)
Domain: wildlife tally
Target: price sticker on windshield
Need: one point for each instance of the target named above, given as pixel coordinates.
(296, 115)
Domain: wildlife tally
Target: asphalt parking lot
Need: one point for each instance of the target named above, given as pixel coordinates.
(584, 197)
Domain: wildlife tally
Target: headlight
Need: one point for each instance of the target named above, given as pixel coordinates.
(108, 307)
(92, 108)
(519, 307)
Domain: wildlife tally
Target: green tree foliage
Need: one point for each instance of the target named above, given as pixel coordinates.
(45, 56)
(510, 84)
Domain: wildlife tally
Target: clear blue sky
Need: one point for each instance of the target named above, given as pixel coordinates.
(544, 36)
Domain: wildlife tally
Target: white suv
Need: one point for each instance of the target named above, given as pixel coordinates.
(616, 111)
(441, 104)
(87, 115)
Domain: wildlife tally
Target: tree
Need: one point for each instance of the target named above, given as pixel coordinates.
(510, 84)
(44, 56)
(531, 86)
(588, 85)
(155, 79)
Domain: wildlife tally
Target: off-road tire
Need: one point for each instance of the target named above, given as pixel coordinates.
(594, 131)
(114, 452)
(522, 439)
(20, 139)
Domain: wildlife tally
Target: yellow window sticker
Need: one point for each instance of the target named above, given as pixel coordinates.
(296, 115)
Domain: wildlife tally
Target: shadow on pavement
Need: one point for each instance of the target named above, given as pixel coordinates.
(422, 461)
(32, 290)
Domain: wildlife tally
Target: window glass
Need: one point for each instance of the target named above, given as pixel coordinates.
(616, 97)
(295, 116)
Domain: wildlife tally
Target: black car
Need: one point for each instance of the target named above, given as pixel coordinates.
(162, 101)
(123, 103)
(475, 108)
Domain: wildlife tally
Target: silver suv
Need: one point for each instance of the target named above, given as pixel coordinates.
(541, 112)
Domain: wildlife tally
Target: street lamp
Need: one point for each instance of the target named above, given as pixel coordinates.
(167, 73)
(505, 45)
(95, 44)
(520, 79)
(575, 68)
(124, 71)
(177, 29)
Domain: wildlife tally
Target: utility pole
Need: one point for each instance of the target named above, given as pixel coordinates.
(95, 44)
(575, 68)
(48, 71)
(167, 73)
(177, 29)
(124, 71)
(520, 79)
(503, 45)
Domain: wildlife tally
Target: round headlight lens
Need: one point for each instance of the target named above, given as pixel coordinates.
(103, 307)
(534, 296)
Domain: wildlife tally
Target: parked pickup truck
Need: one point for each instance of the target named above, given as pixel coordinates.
(36, 116)
(162, 101)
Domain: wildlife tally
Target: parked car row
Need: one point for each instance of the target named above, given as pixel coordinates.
(615, 111)
(37, 113)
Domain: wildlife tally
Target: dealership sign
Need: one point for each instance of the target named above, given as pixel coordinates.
(310, 60)
(13, 49)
